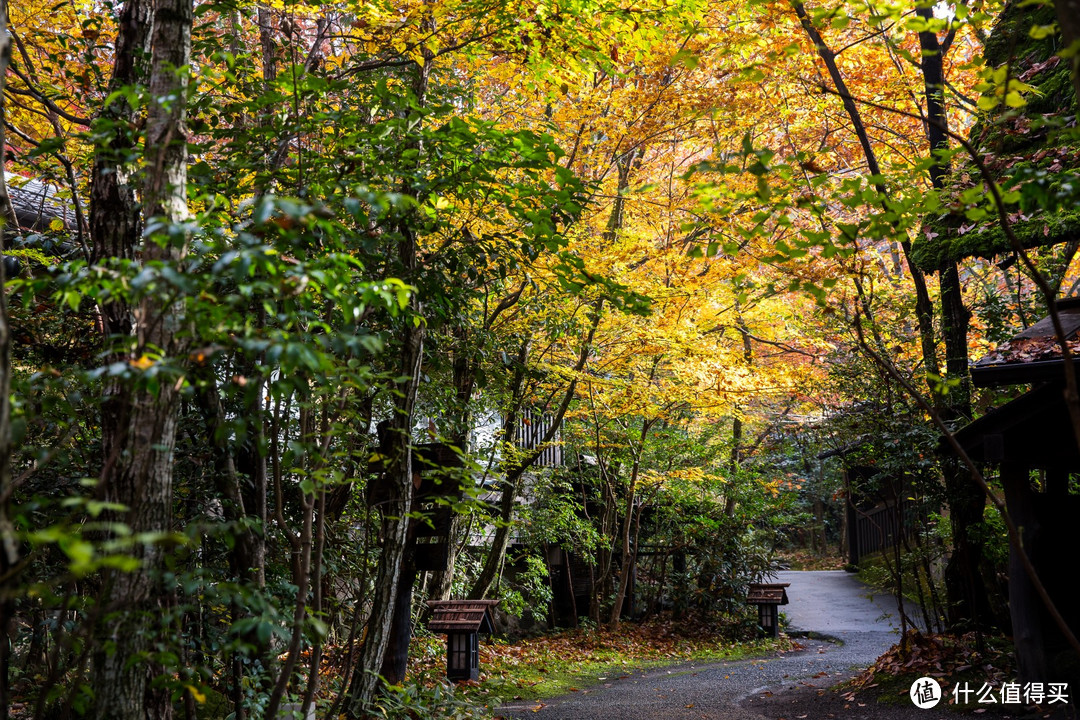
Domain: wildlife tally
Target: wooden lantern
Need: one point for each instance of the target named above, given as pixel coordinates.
(462, 621)
(768, 597)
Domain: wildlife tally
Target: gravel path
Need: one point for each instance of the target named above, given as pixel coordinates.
(833, 603)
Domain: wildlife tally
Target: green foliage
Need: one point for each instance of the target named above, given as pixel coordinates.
(530, 590)
(442, 700)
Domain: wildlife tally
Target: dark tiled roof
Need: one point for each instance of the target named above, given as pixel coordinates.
(37, 204)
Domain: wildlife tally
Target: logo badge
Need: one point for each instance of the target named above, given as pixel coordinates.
(925, 693)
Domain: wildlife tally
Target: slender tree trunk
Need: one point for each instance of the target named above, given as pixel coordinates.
(115, 217)
(628, 554)
(9, 544)
(442, 581)
(365, 681)
(141, 476)
(966, 588)
(497, 552)
(735, 458)
(968, 592)
(924, 307)
(494, 560)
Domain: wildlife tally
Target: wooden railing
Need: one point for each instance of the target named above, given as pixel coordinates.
(531, 429)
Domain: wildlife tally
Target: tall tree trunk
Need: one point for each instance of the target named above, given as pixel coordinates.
(629, 554)
(966, 509)
(968, 592)
(497, 553)
(245, 510)
(115, 217)
(9, 544)
(392, 558)
(924, 306)
(141, 476)
(396, 659)
(735, 458)
(365, 681)
(490, 570)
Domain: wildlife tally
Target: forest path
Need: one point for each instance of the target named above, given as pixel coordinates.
(833, 603)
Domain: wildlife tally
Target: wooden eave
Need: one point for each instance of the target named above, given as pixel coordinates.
(430, 464)
(1034, 430)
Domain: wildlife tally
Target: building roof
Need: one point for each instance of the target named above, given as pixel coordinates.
(1033, 355)
(37, 204)
(469, 616)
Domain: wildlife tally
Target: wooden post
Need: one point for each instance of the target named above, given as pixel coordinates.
(1025, 607)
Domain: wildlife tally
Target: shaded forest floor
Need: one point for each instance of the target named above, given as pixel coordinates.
(561, 662)
(880, 703)
(804, 559)
(529, 669)
(881, 692)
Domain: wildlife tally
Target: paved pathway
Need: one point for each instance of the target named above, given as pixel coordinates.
(829, 602)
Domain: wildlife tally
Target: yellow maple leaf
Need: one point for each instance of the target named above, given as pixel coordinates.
(199, 696)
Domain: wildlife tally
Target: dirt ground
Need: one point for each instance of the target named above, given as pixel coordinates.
(808, 703)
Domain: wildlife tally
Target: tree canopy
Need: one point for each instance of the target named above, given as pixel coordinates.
(315, 311)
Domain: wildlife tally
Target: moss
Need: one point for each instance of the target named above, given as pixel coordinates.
(1013, 144)
(990, 240)
(1010, 37)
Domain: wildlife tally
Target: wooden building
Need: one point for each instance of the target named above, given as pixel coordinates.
(1032, 442)
(875, 511)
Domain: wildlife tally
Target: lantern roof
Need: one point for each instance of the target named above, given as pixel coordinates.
(768, 593)
(468, 616)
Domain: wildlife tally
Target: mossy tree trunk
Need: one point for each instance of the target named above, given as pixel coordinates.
(140, 476)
